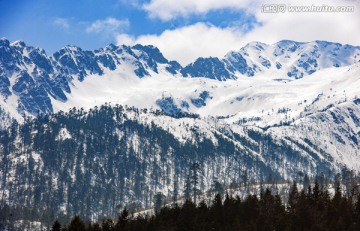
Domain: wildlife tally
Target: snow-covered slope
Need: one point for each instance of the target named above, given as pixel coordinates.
(33, 83)
(265, 100)
(268, 86)
(292, 82)
(321, 109)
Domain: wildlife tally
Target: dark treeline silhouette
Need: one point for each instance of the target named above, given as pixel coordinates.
(310, 209)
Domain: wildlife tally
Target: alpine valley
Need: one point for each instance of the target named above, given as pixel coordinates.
(88, 132)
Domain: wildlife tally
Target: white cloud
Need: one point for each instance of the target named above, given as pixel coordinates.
(169, 9)
(125, 39)
(108, 26)
(62, 23)
(188, 43)
(133, 3)
(185, 44)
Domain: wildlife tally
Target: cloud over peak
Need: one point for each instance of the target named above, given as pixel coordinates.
(186, 44)
(108, 26)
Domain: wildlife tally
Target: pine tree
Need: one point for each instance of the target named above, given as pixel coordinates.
(338, 192)
(122, 220)
(187, 189)
(293, 198)
(357, 211)
(245, 180)
(217, 212)
(95, 227)
(158, 201)
(56, 226)
(217, 187)
(195, 167)
(77, 224)
(306, 181)
(176, 191)
(108, 225)
(317, 193)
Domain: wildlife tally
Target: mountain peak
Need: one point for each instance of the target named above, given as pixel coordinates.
(18, 43)
(289, 42)
(153, 51)
(148, 47)
(111, 47)
(258, 45)
(4, 42)
(326, 43)
(72, 48)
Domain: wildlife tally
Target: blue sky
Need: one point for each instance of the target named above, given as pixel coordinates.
(52, 24)
(182, 29)
(38, 22)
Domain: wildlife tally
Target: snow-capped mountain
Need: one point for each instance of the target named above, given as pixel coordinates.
(267, 86)
(263, 110)
(285, 58)
(33, 82)
(30, 79)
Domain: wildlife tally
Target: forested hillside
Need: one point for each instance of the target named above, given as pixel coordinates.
(93, 163)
